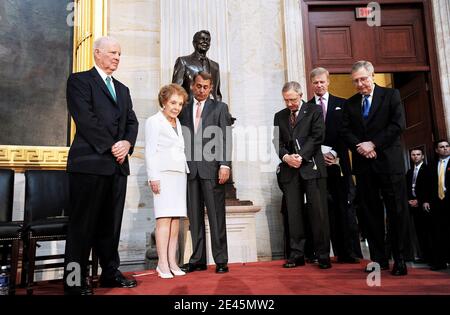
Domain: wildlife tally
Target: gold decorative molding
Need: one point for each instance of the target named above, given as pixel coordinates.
(22, 158)
(90, 20)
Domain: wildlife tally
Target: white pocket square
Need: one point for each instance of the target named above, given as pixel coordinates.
(338, 108)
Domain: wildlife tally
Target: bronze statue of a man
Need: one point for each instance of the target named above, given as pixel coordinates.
(186, 67)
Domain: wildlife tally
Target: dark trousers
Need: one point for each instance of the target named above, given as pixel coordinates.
(315, 191)
(440, 213)
(209, 193)
(95, 220)
(287, 249)
(380, 192)
(343, 224)
(423, 227)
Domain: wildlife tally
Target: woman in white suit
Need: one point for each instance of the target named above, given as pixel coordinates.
(166, 171)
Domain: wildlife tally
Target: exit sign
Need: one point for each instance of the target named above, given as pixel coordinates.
(364, 12)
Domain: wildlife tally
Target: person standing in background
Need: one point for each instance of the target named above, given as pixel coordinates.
(344, 231)
(417, 183)
(438, 203)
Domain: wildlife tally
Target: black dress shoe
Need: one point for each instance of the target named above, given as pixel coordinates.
(294, 262)
(221, 268)
(78, 291)
(438, 267)
(193, 267)
(324, 263)
(84, 289)
(119, 281)
(399, 268)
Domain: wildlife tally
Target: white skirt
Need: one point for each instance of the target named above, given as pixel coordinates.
(171, 201)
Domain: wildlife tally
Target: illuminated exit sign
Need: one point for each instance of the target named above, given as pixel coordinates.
(364, 12)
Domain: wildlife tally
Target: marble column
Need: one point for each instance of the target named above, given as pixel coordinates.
(295, 49)
(257, 74)
(441, 18)
(136, 24)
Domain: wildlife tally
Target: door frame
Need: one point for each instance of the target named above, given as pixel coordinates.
(436, 101)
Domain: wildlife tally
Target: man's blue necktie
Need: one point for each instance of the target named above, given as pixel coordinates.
(110, 88)
(366, 106)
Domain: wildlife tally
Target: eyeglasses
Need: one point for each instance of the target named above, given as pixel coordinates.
(362, 80)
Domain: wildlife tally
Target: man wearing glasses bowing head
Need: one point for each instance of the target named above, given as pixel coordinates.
(298, 134)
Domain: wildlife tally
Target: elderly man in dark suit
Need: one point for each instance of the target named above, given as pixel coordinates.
(208, 151)
(343, 226)
(106, 131)
(187, 67)
(373, 121)
(299, 133)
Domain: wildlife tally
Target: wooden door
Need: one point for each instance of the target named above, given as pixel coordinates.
(413, 88)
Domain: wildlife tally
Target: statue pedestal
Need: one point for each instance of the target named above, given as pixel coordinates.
(241, 236)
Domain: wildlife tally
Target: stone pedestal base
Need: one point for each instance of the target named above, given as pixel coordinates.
(241, 236)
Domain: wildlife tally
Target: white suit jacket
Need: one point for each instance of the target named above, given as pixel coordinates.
(164, 148)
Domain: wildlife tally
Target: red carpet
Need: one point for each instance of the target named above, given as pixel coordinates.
(269, 278)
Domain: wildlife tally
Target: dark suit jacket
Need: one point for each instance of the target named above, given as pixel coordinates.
(333, 125)
(432, 191)
(422, 183)
(213, 133)
(100, 123)
(309, 131)
(383, 127)
(188, 66)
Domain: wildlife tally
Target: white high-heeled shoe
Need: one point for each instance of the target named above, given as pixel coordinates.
(163, 275)
(178, 272)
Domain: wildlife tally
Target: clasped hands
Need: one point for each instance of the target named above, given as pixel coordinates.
(293, 160)
(120, 150)
(367, 149)
(224, 175)
(155, 186)
(330, 159)
(414, 203)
